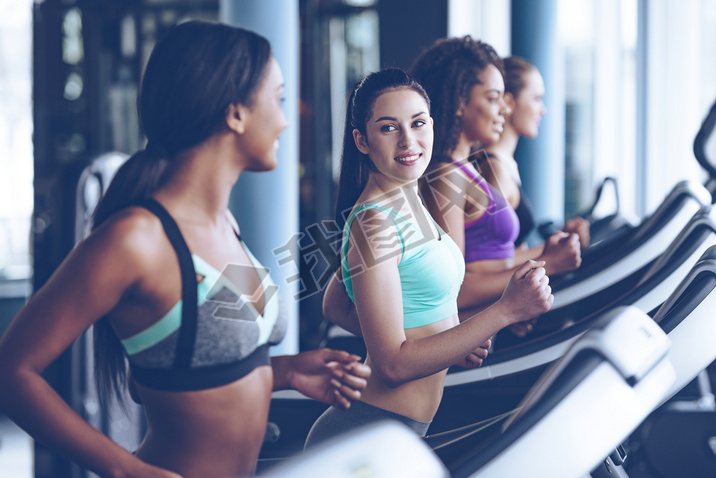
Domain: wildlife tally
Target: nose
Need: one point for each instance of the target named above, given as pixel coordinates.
(504, 109)
(406, 138)
(284, 121)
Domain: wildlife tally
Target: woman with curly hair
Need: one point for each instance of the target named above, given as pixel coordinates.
(464, 79)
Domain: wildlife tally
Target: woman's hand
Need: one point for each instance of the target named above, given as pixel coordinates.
(476, 357)
(521, 329)
(334, 377)
(562, 253)
(528, 293)
(579, 226)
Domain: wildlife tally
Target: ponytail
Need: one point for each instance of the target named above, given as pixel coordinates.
(355, 167)
(137, 179)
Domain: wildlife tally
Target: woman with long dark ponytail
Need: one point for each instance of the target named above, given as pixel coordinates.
(173, 292)
(400, 269)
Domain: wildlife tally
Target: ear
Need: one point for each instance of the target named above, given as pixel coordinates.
(509, 100)
(360, 141)
(236, 117)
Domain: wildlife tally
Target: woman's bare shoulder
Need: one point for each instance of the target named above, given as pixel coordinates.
(132, 234)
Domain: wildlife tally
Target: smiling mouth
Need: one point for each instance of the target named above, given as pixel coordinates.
(408, 159)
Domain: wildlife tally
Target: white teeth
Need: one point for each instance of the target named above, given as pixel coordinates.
(408, 159)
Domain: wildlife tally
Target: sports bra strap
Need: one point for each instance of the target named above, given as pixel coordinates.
(190, 308)
(390, 212)
(483, 156)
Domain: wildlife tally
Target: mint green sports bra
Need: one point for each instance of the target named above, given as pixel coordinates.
(431, 270)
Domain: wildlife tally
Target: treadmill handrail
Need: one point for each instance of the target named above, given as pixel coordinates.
(548, 348)
(705, 268)
(702, 137)
(677, 209)
(565, 385)
(626, 337)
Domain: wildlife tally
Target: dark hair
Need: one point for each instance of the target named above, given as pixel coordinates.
(515, 70)
(355, 165)
(194, 74)
(448, 70)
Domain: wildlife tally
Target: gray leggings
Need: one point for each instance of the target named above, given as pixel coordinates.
(336, 421)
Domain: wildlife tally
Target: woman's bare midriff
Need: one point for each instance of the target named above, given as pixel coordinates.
(216, 432)
(416, 399)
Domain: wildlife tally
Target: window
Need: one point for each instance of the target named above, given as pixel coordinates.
(600, 40)
(640, 78)
(16, 159)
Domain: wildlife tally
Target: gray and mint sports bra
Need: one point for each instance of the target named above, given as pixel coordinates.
(214, 335)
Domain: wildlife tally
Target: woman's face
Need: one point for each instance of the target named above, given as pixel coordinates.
(528, 108)
(265, 121)
(483, 115)
(399, 135)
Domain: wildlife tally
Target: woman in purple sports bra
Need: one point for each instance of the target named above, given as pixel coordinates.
(464, 78)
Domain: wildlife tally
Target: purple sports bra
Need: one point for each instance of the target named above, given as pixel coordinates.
(493, 235)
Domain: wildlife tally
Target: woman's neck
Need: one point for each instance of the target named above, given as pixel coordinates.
(378, 188)
(461, 152)
(200, 181)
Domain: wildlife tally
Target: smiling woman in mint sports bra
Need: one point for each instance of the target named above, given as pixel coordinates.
(464, 80)
(400, 269)
(168, 283)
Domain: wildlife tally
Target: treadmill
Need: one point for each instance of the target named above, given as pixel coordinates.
(619, 371)
(506, 375)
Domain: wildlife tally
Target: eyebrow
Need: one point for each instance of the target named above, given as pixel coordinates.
(391, 118)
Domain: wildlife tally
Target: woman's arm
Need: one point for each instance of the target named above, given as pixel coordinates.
(338, 307)
(84, 288)
(445, 199)
(483, 286)
(378, 297)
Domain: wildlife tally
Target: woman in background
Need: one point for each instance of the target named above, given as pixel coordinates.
(524, 95)
(464, 80)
